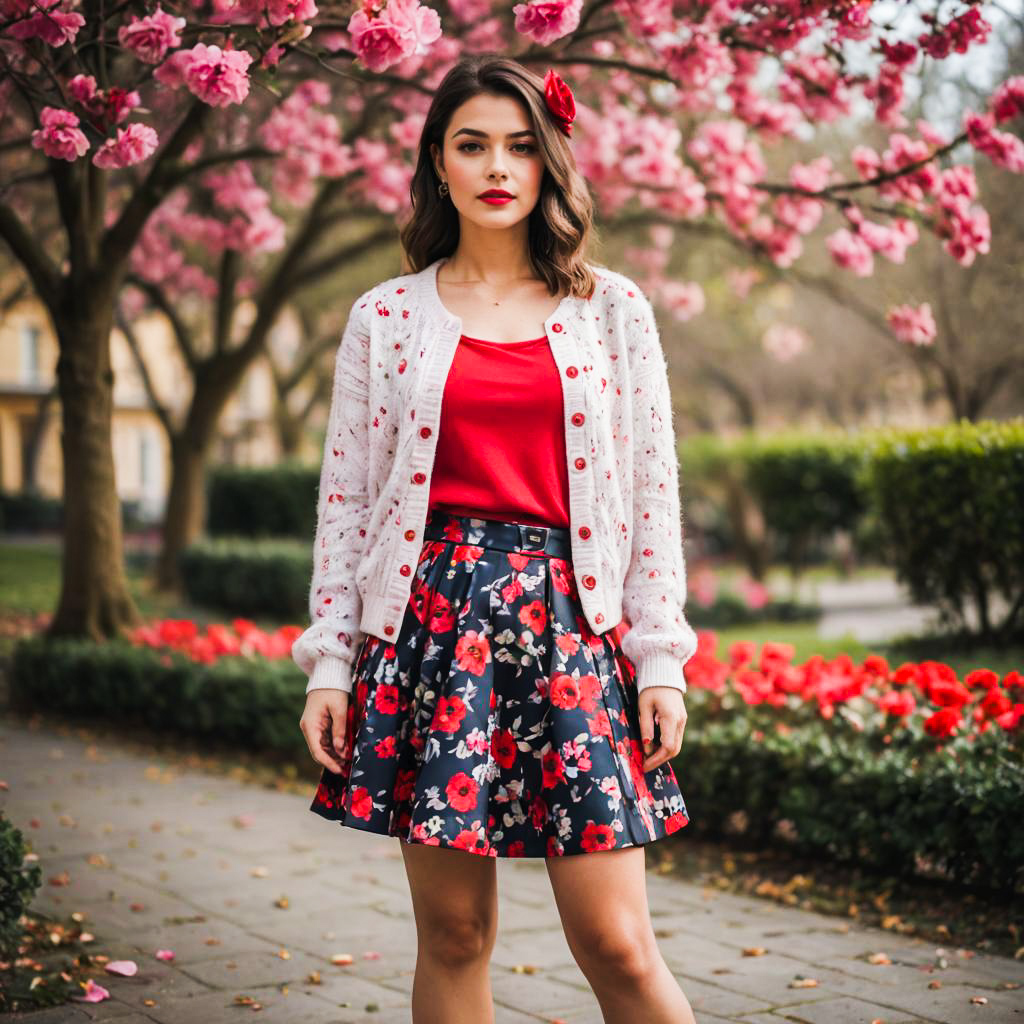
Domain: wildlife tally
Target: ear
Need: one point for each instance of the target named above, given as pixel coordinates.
(438, 160)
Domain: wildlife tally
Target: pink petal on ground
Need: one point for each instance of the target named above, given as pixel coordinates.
(93, 993)
(127, 968)
(165, 954)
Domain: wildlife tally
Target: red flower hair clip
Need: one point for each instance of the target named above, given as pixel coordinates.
(560, 101)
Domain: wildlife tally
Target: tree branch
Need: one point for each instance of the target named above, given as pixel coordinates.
(163, 413)
(45, 276)
(182, 335)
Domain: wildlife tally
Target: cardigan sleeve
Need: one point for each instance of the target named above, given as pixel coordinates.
(660, 640)
(326, 649)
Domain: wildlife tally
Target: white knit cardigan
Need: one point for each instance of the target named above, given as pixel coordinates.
(625, 520)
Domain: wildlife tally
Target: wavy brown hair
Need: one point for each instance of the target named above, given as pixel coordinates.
(560, 225)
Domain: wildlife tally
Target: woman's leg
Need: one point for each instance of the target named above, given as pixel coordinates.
(455, 902)
(602, 900)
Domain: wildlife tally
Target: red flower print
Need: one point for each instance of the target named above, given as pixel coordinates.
(385, 748)
(503, 748)
(386, 698)
(473, 840)
(518, 561)
(442, 614)
(405, 783)
(362, 803)
(512, 590)
(538, 812)
(565, 691)
(473, 652)
(468, 553)
(515, 849)
(675, 822)
(420, 835)
(462, 791)
(534, 616)
(448, 714)
(598, 837)
(600, 725)
(562, 577)
(568, 644)
(553, 769)
(590, 690)
(323, 795)
(554, 847)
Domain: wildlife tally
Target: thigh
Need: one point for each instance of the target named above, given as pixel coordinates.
(453, 891)
(602, 901)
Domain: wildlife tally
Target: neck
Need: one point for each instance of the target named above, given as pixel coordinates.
(491, 257)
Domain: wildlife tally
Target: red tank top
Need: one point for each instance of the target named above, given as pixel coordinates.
(501, 443)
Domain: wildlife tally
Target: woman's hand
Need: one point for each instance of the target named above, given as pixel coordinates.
(323, 725)
(663, 704)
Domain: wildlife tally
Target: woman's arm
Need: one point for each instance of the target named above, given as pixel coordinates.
(326, 649)
(659, 640)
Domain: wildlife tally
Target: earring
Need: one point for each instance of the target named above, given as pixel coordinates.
(442, 189)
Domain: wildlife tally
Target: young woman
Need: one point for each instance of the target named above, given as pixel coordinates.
(498, 503)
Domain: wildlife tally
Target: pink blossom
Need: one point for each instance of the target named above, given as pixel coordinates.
(891, 240)
(742, 279)
(914, 326)
(1008, 100)
(783, 341)
(850, 252)
(684, 299)
(218, 77)
(278, 12)
(150, 38)
(403, 28)
(544, 21)
(60, 137)
(172, 72)
(133, 144)
(53, 26)
(931, 134)
(958, 35)
(1002, 148)
(470, 11)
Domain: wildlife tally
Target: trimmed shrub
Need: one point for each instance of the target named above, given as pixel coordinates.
(951, 504)
(254, 502)
(249, 577)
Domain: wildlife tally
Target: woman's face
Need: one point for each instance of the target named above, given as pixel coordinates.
(490, 144)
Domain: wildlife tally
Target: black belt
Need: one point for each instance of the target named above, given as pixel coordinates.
(554, 541)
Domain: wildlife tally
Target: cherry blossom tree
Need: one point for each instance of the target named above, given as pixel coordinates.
(115, 114)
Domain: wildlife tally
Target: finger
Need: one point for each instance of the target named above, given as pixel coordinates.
(646, 709)
(657, 757)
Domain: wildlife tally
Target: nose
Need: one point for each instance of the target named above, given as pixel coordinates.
(497, 168)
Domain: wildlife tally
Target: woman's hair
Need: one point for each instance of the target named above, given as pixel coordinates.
(560, 225)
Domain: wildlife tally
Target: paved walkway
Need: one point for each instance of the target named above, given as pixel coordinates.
(255, 895)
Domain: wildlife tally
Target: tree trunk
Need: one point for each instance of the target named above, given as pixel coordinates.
(183, 519)
(186, 500)
(94, 600)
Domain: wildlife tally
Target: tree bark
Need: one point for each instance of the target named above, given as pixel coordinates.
(95, 601)
(184, 516)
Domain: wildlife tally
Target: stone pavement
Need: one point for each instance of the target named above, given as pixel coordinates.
(255, 894)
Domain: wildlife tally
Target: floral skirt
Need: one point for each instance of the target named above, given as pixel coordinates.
(497, 721)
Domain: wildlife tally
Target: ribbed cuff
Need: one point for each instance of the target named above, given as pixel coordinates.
(660, 669)
(331, 674)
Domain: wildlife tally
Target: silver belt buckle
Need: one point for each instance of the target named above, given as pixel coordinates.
(533, 537)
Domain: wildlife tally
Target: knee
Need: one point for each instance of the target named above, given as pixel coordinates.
(457, 940)
(628, 955)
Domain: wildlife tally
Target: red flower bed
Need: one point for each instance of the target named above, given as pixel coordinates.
(927, 695)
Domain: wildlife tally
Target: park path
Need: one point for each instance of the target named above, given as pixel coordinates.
(255, 894)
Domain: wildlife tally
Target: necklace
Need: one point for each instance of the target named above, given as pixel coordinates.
(496, 302)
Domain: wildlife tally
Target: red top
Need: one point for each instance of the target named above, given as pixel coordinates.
(502, 400)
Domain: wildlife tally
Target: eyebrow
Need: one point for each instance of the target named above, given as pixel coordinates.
(484, 135)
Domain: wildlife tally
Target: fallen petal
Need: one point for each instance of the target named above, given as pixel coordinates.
(127, 968)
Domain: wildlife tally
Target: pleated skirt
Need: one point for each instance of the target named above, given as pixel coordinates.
(496, 721)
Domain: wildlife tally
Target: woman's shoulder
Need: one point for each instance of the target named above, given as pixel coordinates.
(615, 286)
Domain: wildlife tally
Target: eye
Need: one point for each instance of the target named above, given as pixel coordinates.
(525, 146)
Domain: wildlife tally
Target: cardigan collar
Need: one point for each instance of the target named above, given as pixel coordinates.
(431, 296)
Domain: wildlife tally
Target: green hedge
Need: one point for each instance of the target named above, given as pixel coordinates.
(951, 503)
(279, 501)
(249, 577)
(18, 884)
(845, 794)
